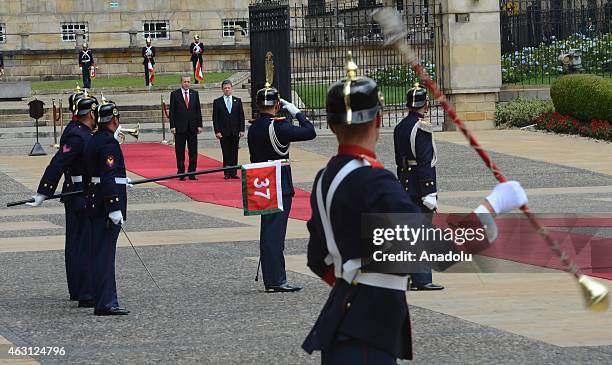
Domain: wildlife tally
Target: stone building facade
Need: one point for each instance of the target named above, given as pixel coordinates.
(40, 39)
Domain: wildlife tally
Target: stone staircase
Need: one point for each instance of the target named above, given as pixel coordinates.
(16, 123)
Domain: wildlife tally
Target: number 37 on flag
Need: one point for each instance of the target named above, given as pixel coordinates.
(261, 188)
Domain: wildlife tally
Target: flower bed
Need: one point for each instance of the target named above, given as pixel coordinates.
(555, 122)
(543, 61)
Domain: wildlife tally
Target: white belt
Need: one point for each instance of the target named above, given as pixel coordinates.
(386, 281)
(118, 180)
(77, 178)
(284, 162)
(351, 274)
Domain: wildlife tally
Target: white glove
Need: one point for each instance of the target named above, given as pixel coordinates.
(129, 182)
(116, 216)
(38, 200)
(290, 107)
(430, 201)
(507, 196)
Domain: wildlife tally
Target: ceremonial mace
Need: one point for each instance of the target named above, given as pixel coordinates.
(595, 294)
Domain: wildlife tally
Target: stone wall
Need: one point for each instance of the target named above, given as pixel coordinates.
(478, 109)
(38, 65)
(109, 26)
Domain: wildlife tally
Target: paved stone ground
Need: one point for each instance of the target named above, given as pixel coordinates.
(214, 313)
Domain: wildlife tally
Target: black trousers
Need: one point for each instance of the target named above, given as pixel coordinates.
(104, 249)
(229, 147)
(421, 278)
(86, 77)
(146, 70)
(179, 147)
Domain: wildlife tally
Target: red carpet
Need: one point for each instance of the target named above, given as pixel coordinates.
(154, 159)
(518, 241)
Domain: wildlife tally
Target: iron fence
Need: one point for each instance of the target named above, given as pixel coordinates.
(322, 33)
(534, 33)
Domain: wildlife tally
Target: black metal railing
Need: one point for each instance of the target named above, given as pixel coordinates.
(322, 33)
(534, 33)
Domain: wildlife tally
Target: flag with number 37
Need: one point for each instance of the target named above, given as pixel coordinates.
(261, 188)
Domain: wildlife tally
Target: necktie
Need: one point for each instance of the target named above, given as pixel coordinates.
(187, 99)
(228, 104)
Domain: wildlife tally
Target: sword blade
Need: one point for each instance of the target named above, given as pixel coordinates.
(141, 261)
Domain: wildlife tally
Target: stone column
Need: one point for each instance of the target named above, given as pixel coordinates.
(79, 38)
(471, 47)
(133, 38)
(185, 40)
(24, 40)
(237, 34)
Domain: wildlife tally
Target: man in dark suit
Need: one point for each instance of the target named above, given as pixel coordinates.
(185, 124)
(228, 122)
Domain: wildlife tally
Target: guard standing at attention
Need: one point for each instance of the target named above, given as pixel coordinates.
(196, 48)
(365, 319)
(107, 204)
(269, 138)
(86, 62)
(416, 158)
(70, 161)
(148, 57)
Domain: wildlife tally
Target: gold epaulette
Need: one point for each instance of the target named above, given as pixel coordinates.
(278, 119)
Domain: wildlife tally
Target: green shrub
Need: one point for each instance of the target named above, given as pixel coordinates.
(583, 97)
(521, 112)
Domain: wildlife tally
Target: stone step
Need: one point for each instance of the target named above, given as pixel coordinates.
(144, 114)
(237, 78)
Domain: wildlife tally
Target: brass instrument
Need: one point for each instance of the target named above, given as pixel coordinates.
(132, 132)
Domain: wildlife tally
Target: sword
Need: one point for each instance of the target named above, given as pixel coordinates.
(141, 261)
(142, 181)
(136, 182)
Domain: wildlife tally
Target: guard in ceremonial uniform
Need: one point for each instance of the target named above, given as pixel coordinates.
(70, 161)
(269, 138)
(416, 158)
(196, 48)
(365, 319)
(107, 203)
(148, 56)
(86, 62)
(1, 65)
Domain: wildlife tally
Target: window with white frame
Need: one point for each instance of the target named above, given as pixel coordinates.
(156, 29)
(2, 33)
(230, 24)
(69, 31)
